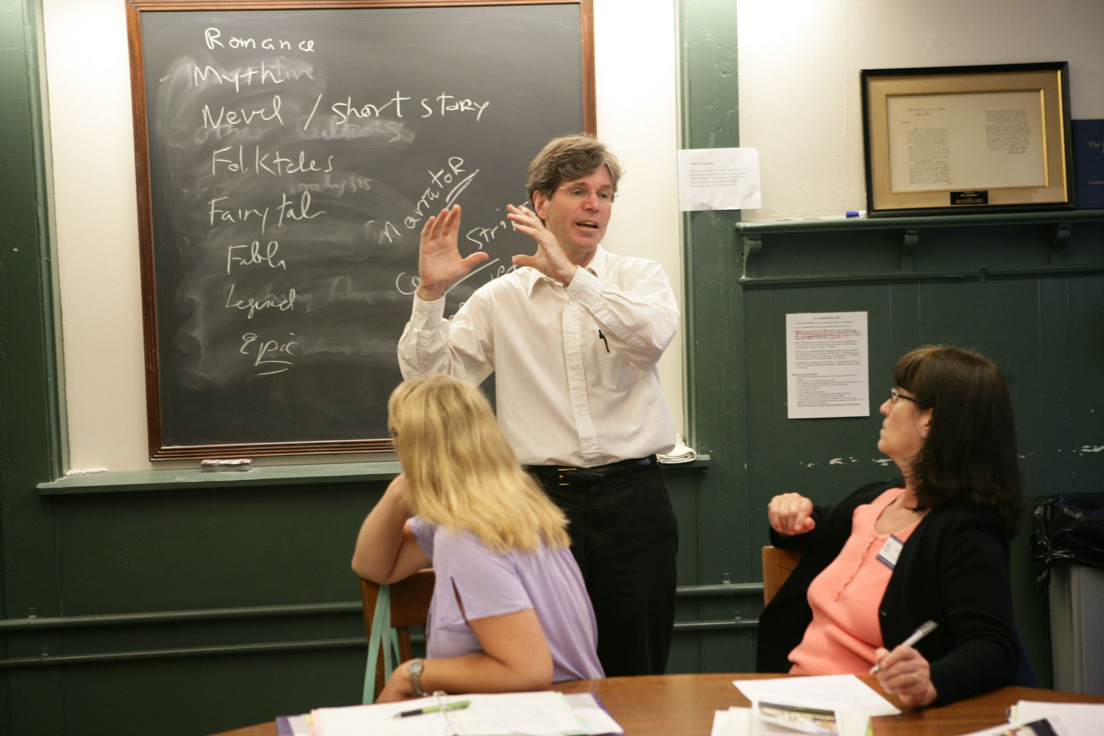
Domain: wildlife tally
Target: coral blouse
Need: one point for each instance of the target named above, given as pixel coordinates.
(844, 597)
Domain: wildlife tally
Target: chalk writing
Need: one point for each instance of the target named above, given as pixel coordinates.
(266, 72)
(288, 208)
(348, 183)
(270, 355)
(449, 104)
(406, 283)
(390, 131)
(483, 236)
(252, 305)
(241, 214)
(234, 159)
(294, 154)
(376, 231)
(212, 37)
(228, 120)
(254, 256)
(345, 110)
(447, 177)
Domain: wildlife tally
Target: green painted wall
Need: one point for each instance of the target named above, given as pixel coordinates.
(28, 444)
(715, 381)
(199, 605)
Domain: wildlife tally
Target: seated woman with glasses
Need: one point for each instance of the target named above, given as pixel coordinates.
(509, 610)
(892, 556)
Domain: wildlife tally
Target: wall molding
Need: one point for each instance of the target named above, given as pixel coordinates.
(34, 625)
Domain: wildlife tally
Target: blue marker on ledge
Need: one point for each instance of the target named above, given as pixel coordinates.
(855, 213)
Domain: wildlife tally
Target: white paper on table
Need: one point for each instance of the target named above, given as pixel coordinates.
(1041, 727)
(594, 717)
(1079, 719)
(544, 713)
(738, 721)
(844, 693)
(735, 721)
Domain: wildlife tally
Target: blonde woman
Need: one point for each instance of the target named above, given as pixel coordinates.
(509, 610)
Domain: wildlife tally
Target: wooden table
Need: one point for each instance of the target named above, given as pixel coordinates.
(683, 705)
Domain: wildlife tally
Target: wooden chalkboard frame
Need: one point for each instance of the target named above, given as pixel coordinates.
(159, 448)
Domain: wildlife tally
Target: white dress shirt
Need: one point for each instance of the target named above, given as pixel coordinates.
(577, 382)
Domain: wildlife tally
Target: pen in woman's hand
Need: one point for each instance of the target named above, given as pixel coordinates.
(923, 630)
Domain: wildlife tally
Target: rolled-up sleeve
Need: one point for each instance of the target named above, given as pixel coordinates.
(432, 344)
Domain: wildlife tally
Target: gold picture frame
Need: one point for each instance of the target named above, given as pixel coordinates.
(967, 139)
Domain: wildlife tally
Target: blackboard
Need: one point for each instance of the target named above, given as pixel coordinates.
(287, 155)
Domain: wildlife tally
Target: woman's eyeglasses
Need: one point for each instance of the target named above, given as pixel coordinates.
(895, 395)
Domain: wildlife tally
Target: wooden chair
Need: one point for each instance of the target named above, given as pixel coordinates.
(409, 607)
(778, 563)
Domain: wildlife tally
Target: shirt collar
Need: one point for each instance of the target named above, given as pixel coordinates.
(597, 265)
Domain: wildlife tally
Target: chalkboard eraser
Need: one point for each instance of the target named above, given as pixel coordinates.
(219, 466)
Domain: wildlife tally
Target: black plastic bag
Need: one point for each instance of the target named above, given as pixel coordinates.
(1069, 527)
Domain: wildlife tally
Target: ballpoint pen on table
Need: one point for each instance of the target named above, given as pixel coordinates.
(924, 629)
(455, 705)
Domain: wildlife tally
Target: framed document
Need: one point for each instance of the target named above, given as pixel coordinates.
(942, 140)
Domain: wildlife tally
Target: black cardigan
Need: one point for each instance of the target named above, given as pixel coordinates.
(953, 569)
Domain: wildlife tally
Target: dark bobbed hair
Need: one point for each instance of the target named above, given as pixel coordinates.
(568, 158)
(970, 450)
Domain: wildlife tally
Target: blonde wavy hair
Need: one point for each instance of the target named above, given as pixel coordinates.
(460, 472)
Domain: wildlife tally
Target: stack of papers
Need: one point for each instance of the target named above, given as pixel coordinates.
(1078, 718)
(763, 720)
(501, 714)
(1041, 718)
(829, 705)
(1041, 727)
(1074, 719)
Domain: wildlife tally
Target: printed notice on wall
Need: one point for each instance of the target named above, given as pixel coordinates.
(827, 365)
(719, 179)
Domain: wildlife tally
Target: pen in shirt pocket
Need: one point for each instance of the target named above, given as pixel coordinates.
(603, 338)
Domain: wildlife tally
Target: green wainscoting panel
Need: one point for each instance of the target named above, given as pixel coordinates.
(195, 696)
(199, 609)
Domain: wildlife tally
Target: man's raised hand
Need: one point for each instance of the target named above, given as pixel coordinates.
(550, 258)
(440, 266)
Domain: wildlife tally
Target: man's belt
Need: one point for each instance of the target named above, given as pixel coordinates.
(566, 476)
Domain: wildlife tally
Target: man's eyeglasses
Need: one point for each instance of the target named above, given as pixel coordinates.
(578, 193)
(895, 395)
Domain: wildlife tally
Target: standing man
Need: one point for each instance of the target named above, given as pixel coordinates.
(574, 335)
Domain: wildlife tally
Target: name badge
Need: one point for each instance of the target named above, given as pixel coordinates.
(891, 550)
